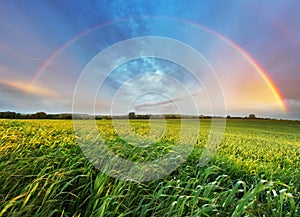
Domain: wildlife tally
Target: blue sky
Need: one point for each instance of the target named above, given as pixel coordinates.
(33, 31)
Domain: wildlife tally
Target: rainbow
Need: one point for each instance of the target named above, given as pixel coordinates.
(42, 68)
(263, 73)
(265, 76)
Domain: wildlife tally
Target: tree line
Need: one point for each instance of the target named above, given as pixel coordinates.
(130, 115)
(38, 115)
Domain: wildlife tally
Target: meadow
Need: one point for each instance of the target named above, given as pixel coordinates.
(255, 172)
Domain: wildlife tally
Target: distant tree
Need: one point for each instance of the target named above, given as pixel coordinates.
(228, 117)
(8, 114)
(142, 116)
(40, 115)
(131, 115)
(64, 116)
(98, 117)
(252, 116)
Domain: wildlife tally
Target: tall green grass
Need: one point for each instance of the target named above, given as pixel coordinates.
(44, 173)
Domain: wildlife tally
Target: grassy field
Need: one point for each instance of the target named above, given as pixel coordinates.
(255, 172)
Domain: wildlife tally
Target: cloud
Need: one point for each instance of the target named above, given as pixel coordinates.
(14, 96)
(11, 97)
(26, 88)
(165, 102)
(293, 108)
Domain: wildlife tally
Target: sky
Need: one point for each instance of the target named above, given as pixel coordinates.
(190, 57)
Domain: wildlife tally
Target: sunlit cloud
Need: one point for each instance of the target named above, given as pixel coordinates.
(26, 88)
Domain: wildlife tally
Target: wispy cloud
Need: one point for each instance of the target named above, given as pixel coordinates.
(14, 96)
(165, 102)
(27, 88)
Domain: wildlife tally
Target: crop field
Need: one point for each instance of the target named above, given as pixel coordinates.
(255, 171)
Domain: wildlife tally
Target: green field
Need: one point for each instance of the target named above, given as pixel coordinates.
(255, 172)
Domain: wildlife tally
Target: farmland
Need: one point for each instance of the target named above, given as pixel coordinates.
(255, 172)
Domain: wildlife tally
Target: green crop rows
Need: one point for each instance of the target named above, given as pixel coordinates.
(255, 172)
